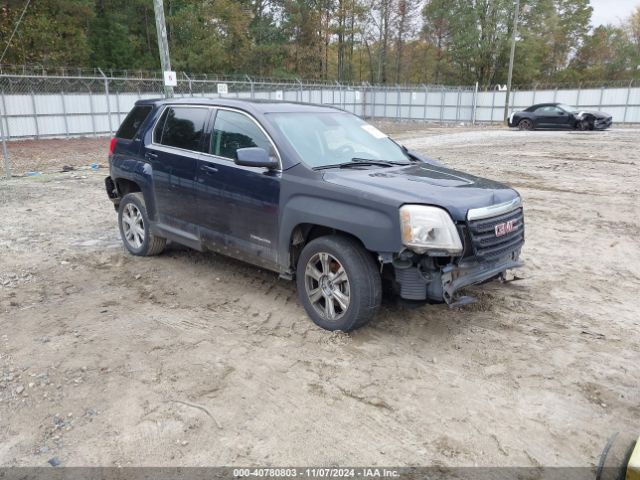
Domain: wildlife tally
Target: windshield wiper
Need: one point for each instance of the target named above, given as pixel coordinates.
(354, 164)
(361, 162)
(377, 162)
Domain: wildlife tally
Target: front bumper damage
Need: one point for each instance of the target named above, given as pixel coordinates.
(456, 277)
(419, 283)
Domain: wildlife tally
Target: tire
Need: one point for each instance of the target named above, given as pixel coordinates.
(132, 213)
(525, 124)
(358, 287)
(582, 125)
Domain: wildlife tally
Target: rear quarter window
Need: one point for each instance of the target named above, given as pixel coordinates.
(133, 122)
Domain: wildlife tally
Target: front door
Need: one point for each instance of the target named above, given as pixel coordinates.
(174, 154)
(237, 205)
(552, 116)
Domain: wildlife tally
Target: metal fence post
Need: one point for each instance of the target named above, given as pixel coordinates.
(373, 102)
(493, 103)
(411, 94)
(442, 103)
(458, 105)
(535, 87)
(426, 95)
(300, 88)
(364, 101)
(384, 115)
(253, 93)
(64, 114)
(601, 94)
(474, 107)
(578, 95)
(108, 97)
(5, 150)
(118, 106)
(626, 105)
(92, 111)
(35, 113)
(189, 83)
(398, 103)
(555, 94)
(6, 118)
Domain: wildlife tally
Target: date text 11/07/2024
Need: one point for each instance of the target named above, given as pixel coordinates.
(317, 472)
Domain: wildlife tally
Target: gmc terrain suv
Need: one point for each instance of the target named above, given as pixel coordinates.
(313, 193)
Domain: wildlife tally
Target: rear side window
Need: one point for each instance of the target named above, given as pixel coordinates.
(134, 120)
(181, 127)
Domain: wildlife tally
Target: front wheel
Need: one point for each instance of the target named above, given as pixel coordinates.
(338, 283)
(135, 229)
(582, 125)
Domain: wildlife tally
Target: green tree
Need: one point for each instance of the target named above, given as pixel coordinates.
(52, 32)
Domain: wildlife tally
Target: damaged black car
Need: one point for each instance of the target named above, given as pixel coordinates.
(559, 115)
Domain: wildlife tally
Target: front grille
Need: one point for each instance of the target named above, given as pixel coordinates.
(486, 245)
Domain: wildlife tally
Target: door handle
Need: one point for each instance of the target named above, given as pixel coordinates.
(209, 168)
(151, 155)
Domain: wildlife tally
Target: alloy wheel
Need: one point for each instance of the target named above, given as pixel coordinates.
(133, 226)
(327, 286)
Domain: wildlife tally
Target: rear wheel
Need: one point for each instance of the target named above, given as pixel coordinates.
(338, 283)
(134, 227)
(525, 124)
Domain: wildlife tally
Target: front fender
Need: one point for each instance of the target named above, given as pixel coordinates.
(378, 230)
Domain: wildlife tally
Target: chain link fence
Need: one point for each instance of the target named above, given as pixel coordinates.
(79, 103)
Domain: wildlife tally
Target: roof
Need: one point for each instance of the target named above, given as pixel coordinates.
(251, 105)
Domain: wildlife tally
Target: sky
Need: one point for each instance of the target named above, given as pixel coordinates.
(611, 11)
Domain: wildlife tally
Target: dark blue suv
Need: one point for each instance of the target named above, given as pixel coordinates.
(313, 193)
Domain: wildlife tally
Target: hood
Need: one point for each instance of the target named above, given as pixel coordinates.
(455, 191)
(595, 113)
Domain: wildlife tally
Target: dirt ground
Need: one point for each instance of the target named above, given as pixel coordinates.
(195, 359)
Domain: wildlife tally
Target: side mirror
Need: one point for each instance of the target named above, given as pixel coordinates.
(255, 157)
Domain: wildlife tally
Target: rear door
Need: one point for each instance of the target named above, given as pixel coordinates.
(174, 153)
(238, 206)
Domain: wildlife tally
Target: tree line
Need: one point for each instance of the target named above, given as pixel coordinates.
(377, 41)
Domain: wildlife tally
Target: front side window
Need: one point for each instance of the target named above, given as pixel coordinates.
(181, 127)
(233, 130)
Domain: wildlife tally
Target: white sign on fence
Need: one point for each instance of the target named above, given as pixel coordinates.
(170, 79)
(279, 95)
(223, 88)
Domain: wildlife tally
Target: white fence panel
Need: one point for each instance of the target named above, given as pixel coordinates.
(41, 108)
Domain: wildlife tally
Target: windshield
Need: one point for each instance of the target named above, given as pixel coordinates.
(323, 139)
(567, 108)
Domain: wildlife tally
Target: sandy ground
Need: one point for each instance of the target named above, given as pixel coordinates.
(195, 359)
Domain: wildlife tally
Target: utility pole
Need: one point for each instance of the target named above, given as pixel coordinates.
(513, 51)
(163, 44)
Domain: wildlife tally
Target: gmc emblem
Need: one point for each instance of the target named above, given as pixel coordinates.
(504, 228)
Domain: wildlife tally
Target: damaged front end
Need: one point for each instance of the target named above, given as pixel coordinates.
(492, 239)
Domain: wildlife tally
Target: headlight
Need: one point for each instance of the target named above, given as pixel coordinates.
(428, 228)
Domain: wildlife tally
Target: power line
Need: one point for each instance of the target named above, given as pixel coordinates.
(14, 31)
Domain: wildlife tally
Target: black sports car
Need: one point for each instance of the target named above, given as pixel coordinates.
(558, 115)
